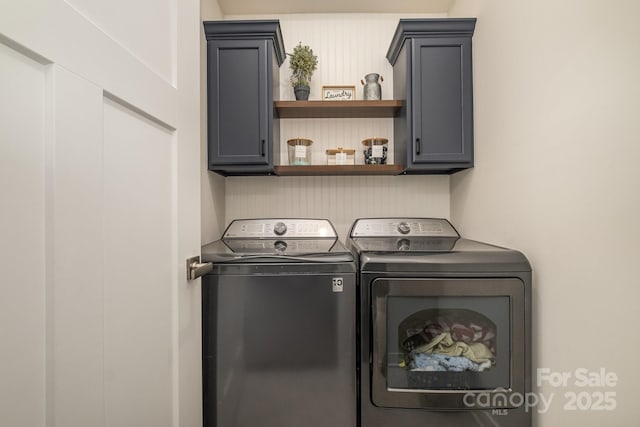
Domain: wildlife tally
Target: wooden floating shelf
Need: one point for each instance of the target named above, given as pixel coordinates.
(319, 170)
(337, 109)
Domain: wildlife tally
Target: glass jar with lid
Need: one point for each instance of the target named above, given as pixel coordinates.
(299, 151)
(341, 156)
(375, 151)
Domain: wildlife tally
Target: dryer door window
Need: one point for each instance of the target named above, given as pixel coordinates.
(437, 340)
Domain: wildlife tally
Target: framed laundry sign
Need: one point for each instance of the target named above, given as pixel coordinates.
(338, 93)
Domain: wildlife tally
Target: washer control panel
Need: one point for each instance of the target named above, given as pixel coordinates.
(389, 227)
(291, 228)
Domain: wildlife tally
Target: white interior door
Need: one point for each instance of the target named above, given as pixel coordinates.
(99, 186)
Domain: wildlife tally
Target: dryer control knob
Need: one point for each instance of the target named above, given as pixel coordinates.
(280, 228)
(404, 228)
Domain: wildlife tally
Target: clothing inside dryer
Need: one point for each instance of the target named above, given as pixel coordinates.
(448, 342)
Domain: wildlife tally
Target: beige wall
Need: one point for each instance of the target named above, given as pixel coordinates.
(212, 185)
(557, 125)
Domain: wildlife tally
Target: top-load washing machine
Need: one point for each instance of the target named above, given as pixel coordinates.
(279, 326)
(444, 327)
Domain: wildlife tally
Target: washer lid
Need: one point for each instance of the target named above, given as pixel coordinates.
(464, 256)
(426, 245)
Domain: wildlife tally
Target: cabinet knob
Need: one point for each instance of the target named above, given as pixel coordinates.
(417, 145)
(262, 149)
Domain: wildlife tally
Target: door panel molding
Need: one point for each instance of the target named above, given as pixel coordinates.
(52, 29)
(75, 227)
(22, 246)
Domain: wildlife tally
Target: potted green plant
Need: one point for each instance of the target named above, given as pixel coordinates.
(302, 64)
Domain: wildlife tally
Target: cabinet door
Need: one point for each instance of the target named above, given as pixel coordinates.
(238, 102)
(442, 101)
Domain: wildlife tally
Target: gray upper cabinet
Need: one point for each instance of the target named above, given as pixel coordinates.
(432, 72)
(243, 61)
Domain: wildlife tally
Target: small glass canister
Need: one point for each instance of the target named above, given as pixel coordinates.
(375, 152)
(299, 151)
(341, 156)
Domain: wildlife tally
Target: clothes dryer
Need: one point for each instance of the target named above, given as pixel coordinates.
(444, 327)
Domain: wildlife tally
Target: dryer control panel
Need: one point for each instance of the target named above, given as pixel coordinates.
(392, 227)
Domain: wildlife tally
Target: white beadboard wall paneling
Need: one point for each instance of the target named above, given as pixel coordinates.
(334, 133)
(348, 46)
(347, 49)
(341, 199)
